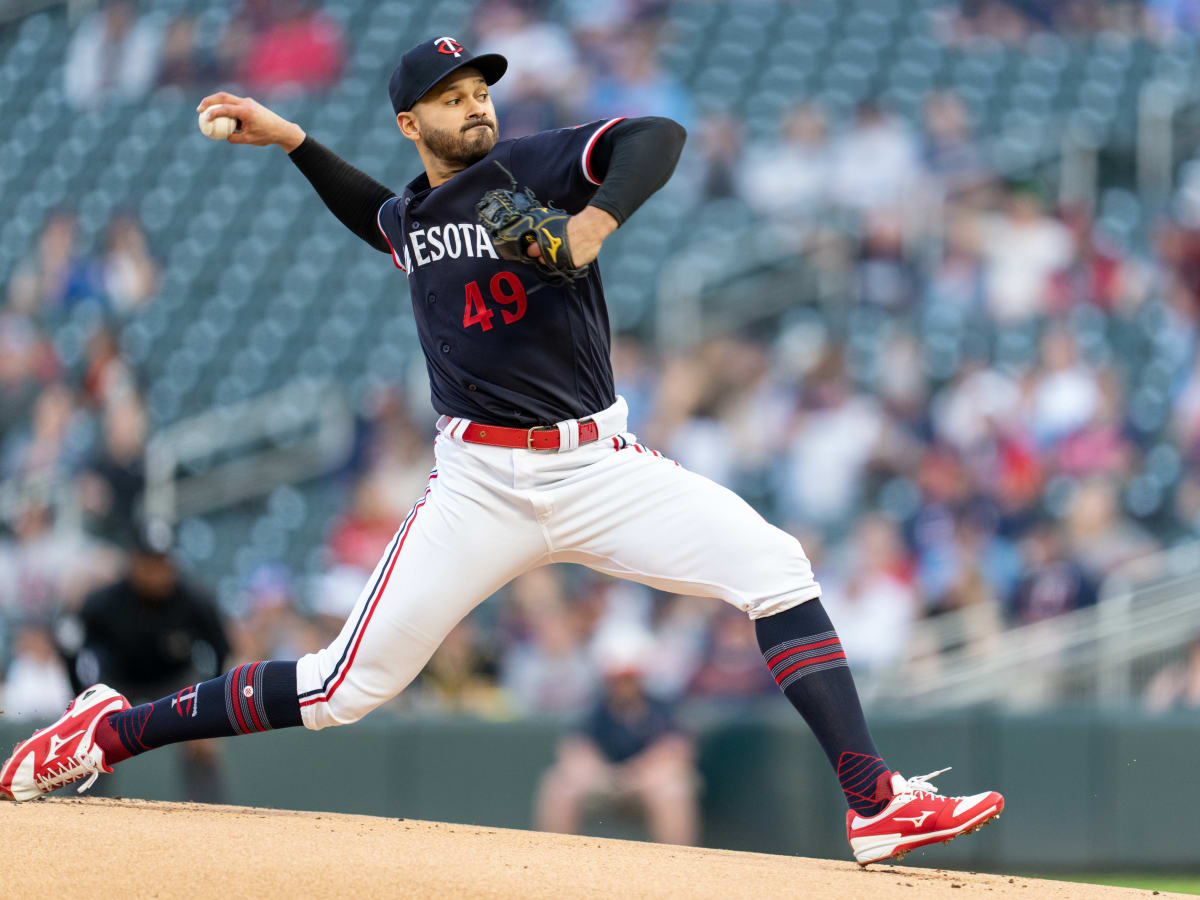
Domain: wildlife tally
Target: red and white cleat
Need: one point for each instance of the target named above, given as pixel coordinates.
(915, 816)
(64, 752)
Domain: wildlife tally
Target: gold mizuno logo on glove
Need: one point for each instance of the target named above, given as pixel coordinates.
(554, 244)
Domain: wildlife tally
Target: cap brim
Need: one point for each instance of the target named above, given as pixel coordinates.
(491, 66)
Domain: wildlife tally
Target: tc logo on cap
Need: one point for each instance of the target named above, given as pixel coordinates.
(449, 46)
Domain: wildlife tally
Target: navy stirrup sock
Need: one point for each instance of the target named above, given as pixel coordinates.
(258, 696)
(805, 657)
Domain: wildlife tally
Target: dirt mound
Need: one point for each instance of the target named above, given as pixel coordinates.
(120, 848)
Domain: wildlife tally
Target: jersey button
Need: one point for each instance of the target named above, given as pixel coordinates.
(414, 225)
(472, 387)
(431, 298)
(445, 348)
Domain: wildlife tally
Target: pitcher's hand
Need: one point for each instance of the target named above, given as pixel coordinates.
(257, 125)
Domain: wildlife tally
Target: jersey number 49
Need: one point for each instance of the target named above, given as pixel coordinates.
(505, 288)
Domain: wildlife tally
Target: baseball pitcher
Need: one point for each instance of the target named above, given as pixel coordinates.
(498, 242)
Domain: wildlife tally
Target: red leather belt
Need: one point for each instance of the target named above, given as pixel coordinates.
(540, 437)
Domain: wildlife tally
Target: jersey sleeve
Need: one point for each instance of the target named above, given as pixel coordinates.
(558, 164)
(390, 226)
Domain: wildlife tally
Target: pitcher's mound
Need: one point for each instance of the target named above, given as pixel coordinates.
(121, 848)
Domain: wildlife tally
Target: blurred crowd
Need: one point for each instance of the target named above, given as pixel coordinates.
(1015, 21)
(999, 407)
(268, 47)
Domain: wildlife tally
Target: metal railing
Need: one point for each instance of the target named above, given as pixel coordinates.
(1149, 610)
(230, 454)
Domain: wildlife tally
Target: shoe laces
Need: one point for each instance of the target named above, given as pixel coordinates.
(69, 770)
(919, 785)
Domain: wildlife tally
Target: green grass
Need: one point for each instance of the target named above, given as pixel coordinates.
(1148, 881)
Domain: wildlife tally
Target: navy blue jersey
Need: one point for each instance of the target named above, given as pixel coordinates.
(498, 350)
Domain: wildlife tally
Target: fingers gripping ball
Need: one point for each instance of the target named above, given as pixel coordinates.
(218, 128)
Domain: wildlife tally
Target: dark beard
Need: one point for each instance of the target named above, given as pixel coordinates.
(460, 148)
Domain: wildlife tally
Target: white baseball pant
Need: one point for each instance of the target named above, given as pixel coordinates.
(490, 513)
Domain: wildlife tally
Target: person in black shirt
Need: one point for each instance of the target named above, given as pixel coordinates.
(628, 750)
(147, 633)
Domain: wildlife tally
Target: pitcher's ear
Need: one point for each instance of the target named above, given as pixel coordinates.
(408, 125)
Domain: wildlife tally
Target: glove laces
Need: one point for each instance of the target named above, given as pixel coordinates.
(919, 784)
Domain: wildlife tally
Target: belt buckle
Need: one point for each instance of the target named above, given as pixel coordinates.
(529, 438)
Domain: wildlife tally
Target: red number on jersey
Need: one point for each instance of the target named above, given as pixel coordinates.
(475, 313)
(515, 293)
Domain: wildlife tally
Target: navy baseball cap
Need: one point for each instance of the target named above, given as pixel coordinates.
(429, 62)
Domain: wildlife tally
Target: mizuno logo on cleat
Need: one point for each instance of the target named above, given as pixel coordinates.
(917, 821)
(57, 743)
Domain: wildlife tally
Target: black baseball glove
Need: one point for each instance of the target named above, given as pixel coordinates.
(515, 220)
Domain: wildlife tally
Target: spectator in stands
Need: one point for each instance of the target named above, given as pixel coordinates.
(835, 438)
(955, 287)
(302, 50)
(548, 673)
(870, 596)
(1097, 274)
(153, 628)
(47, 566)
(884, 273)
(1023, 248)
(36, 684)
(788, 180)
(949, 153)
(113, 55)
(112, 486)
(53, 445)
(1066, 391)
(1177, 685)
(1000, 20)
(721, 145)
(635, 377)
(57, 276)
(875, 163)
(1102, 445)
(27, 364)
(977, 404)
(1054, 583)
(356, 543)
(542, 65)
(1100, 535)
(461, 677)
(726, 669)
(185, 64)
(108, 377)
(267, 625)
(397, 455)
(629, 751)
(636, 86)
(128, 271)
(1175, 16)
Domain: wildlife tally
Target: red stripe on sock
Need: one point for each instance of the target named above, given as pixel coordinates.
(808, 662)
(233, 695)
(250, 699)
(801, 649)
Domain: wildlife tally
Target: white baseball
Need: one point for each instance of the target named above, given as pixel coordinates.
(219, 128)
